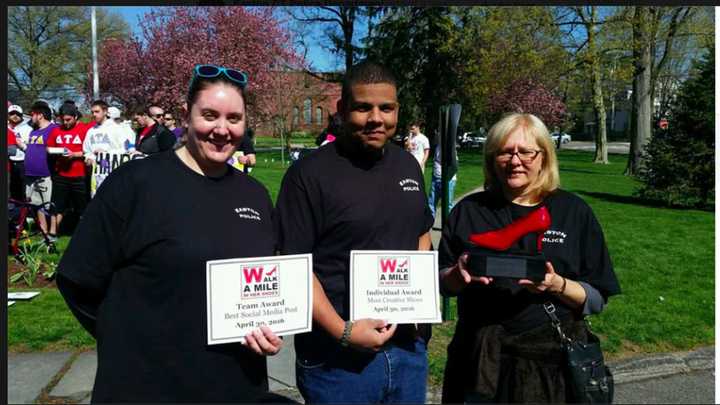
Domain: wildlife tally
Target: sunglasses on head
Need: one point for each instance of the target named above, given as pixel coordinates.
(211, 71)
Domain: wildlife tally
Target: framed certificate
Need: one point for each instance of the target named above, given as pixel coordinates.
(244, 294)
(397, 286)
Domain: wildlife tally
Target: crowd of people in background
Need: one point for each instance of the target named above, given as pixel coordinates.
(52, 152)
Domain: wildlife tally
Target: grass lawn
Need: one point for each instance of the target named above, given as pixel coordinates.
(663, 257)
(44, 324)
(269, 141)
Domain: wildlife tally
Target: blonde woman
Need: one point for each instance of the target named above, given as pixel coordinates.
(504, 348)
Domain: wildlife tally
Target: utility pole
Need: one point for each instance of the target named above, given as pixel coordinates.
(448, 126)
(96, 79)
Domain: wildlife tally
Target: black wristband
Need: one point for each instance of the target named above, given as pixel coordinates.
(345, 338)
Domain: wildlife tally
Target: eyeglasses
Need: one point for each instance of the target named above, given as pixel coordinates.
(525, 156)
(210, 71)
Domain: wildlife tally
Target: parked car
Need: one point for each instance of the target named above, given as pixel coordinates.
(475, 139)
(564, 138)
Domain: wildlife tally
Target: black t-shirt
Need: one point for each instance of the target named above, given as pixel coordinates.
(331, 203)
(141, 247)
(574, 244)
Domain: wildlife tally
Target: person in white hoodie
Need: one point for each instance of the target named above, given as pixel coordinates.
(105, 136)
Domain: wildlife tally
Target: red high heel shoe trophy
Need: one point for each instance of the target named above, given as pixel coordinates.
(492, 257)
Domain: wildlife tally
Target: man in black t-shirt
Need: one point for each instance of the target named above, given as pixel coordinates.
(353, 194)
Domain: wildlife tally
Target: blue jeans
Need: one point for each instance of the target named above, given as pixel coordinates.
(436, 192)
(393, 375)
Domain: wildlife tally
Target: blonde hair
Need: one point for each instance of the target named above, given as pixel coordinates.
(534, 129)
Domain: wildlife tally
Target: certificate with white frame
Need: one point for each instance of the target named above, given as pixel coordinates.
(244, 294)
(396, 286)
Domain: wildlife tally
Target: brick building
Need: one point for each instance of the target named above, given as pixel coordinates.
(306, 103)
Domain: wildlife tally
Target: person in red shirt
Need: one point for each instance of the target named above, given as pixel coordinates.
(153, 136)
(12, 148)
(66, 144)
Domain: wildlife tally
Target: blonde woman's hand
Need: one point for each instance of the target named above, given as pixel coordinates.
(552, 282)
(456, 278)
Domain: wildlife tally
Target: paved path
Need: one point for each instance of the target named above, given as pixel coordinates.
(685, 377)
(613, 147)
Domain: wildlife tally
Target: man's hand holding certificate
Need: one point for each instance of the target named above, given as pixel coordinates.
(397, 286)
(245, 294)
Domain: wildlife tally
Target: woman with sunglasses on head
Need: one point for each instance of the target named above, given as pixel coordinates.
(134, 271)
(505, 348)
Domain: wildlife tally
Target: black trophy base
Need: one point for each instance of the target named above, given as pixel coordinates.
(508, 265)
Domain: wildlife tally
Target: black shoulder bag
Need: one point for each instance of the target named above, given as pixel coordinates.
(588, 379)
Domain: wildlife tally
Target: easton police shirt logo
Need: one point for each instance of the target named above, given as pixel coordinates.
(261, 281)
(248, 213)
(409, 185)
(394, 271)
(554, 237)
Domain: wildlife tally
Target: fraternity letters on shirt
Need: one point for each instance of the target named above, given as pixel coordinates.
(72, 140)
(36, 152)
(108, 137)
(66, 139)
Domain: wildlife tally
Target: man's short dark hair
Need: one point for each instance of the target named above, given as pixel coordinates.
(100, 103)
(42, 108)
(69, 109)
(366, 72)
(137, 110)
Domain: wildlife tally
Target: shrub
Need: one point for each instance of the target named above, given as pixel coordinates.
(680, 161)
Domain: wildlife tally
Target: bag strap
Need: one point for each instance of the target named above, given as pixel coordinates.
(549, 308)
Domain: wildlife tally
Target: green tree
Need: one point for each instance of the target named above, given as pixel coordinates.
(497, 46)
(592, 58)
(340, 27)
(49, 47)
(679, 162)
(654, 38)
(595, 38)
(417, 44)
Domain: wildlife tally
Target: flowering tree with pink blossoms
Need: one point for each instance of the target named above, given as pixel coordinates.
(158, 68)
(529, 96)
